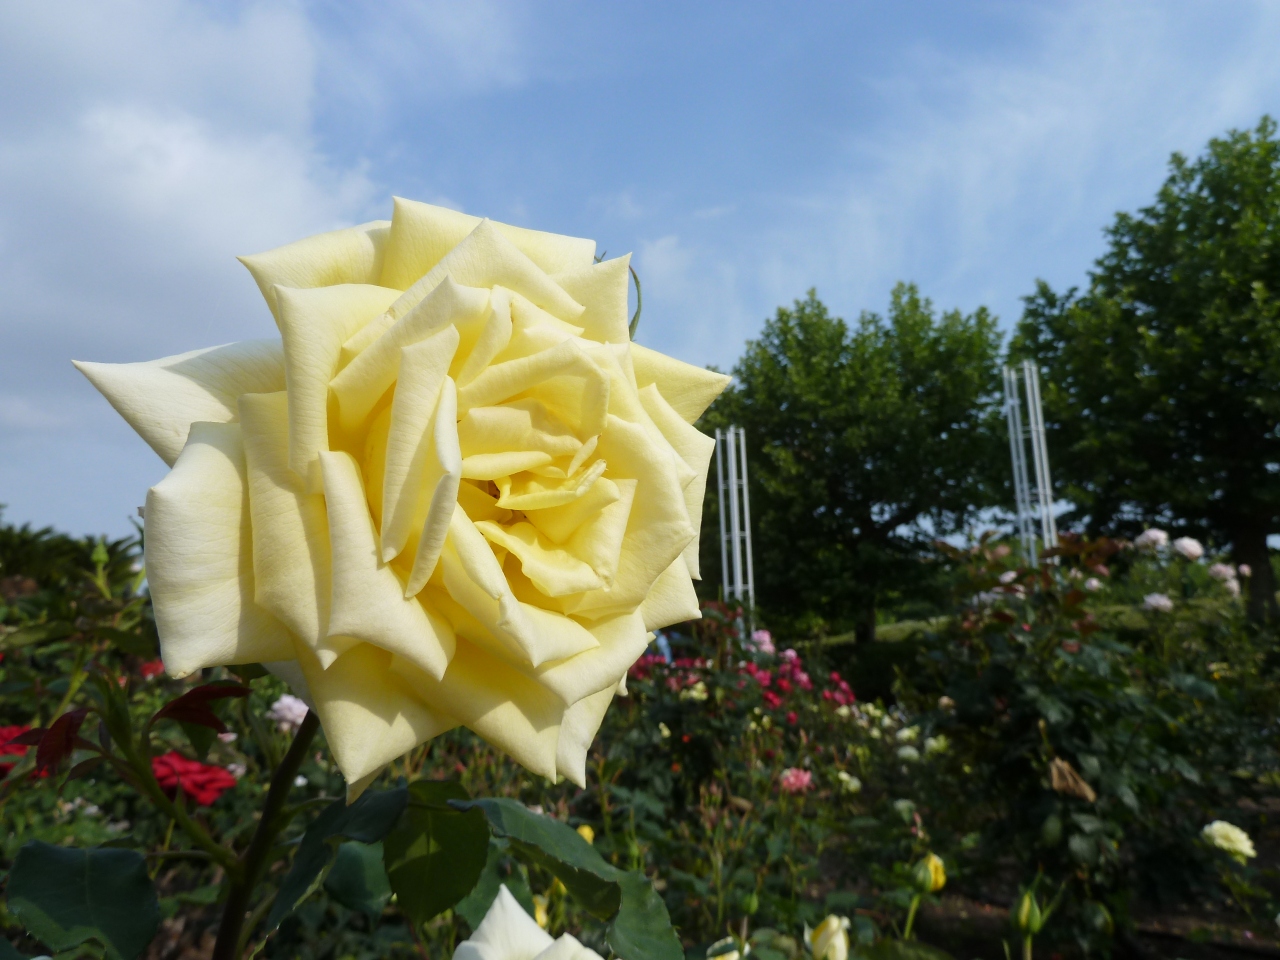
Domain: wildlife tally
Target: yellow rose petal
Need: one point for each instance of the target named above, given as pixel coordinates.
(499, 703)
(290, 530)
(370, 716)
(601, 288)
(415, 460)
(160, 399)
(687, 388)
(422, 234)
(694, 448)
(362, 382)
(314, 324)
(199, 559)
(368, 599)
(578, 729)
(353, 255)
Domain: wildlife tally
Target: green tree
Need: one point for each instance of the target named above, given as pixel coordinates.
(1162, 379)
(865, 444)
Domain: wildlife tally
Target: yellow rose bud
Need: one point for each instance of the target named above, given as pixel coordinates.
(586, 833)
(937, 873)
(929, 874)
(830, 939)
(451, 492)
(540, 910)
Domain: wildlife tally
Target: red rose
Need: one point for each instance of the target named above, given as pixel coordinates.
(202, 782)
(9, 748)
(152, 668)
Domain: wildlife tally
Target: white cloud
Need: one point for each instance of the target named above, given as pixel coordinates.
(153, 143)
(989, 168)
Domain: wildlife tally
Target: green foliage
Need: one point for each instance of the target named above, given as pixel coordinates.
(1162, 379)
(1090, 745)
(639, 924)
(65, 897)
(435, 854)
(866, 443)
(368, 820)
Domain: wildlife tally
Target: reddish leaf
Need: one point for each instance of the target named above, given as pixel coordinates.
(83, 767)
(59, 740)
(193, 706)
(30, 738)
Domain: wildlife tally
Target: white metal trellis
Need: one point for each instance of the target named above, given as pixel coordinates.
(1032, 509)
(736, 568)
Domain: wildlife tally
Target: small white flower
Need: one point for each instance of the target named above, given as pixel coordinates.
(288, 712)
(1222, 571)
(508, 933)
(237, 770)
(299, 781)
(1152, 539)
(1245, 570)
(1230, 839)
(908, 754)
(1157, 602)
(848, 782)
(843, 711)
(1189, 547)
(1009, 576)
(1232, 587)
(908, 734)
(663, 730)
(228, 736)
(1093, 584)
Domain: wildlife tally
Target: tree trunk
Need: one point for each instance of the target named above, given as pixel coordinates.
(1250, 546)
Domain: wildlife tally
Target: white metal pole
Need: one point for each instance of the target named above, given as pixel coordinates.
(1040, 453)
(746, 531)
(724, 537)
(1017, 453)
(735, 517)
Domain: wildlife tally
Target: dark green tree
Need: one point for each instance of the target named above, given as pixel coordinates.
(1162, 379)
(865, 444)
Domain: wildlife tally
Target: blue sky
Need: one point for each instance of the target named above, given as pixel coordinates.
(744, 152)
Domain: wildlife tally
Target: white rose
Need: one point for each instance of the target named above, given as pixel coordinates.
(1151, 539)
(1093, 584)
(1157, 602)
(452, 492)
(1222, 571)
(1189, 547)
(508, 933)
(1230, 839)
(830, 939)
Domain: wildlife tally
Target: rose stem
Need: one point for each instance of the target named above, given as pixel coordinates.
(254, 861)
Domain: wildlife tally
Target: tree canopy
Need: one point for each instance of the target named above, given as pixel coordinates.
(866, 442)
(1162, 378)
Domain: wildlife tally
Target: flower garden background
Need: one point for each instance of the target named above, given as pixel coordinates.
(928, 747)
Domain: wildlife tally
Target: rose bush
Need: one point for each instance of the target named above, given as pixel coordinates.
(453, 492)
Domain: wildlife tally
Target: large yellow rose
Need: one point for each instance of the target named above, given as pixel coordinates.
(452, 492)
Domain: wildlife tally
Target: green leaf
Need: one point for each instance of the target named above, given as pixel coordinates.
(904, 950)
(366, 820)
(135, 642)
(200, 737)
(435, 854)
(357, 879)
(500, 870)
(639, 923)
(65, 897)
(39, 633)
